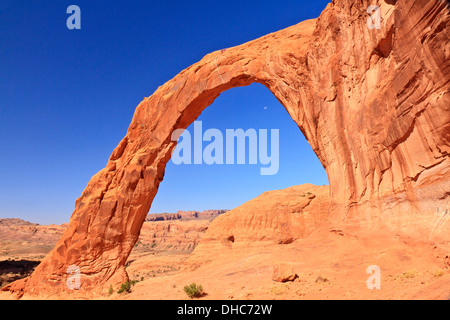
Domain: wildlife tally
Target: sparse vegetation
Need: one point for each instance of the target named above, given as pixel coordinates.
(111, 290)
(126, 286)
(408, 274)
(438, 274)
(194, 291)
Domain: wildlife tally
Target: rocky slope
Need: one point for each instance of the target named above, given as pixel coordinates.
(373, 104)
(21, 239)
(24, 244)
(172, 235)
(20, 230)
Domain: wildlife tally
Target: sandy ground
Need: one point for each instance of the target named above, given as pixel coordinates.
(328, 265)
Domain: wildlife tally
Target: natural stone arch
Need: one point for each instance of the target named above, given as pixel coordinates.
(380, 135)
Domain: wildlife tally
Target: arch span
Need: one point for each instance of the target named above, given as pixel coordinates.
(380, 135)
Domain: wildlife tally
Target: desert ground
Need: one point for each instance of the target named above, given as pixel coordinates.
(233, 256)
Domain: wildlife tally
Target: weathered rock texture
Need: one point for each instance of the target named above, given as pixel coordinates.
(280, 216)
(283, 272)
(373, 104)
(277, 217)
(172, 235)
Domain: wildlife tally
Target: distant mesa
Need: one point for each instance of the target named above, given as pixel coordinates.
(6, 222)
(185, 215)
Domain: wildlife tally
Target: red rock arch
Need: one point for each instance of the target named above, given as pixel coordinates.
(373, 104)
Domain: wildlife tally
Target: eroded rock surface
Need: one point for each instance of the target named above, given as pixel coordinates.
(277, 217)
(373, 103)
(280, 216)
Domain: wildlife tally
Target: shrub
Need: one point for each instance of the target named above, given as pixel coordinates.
(410, 274)
(438, 273)
(126, 286)
(194, 291)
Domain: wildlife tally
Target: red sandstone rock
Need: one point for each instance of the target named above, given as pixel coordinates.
(283, 272)
(275, 217)
(373, 104)
(281, 216)
(172, 235)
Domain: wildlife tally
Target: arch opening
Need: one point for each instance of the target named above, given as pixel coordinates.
(191, 192)
(248, 108)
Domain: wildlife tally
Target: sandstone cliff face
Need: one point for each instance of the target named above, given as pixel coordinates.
(373, 104)
(185, 215)
(172, 235)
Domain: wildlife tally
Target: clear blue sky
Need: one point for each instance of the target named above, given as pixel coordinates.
(68, 96)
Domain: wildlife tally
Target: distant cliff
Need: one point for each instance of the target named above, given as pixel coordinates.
(185, 215)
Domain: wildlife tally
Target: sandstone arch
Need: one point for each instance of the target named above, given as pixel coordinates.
(373, 104)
